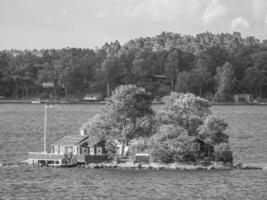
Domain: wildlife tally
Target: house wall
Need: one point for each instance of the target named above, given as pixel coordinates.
(98, 149)
(96, 158)
(242, 98)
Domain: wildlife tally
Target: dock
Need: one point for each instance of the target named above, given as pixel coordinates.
(52, 159)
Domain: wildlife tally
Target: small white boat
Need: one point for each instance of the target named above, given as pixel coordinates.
(36, 101)
(51, 106)
(62, 165)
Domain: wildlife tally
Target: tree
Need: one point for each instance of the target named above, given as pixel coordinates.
(145, 64)
(254, 80)
(172, 65)
(212, 130)
(225, 80)
(201, 76)
(183, 120)
(126, 106)
(99, 125)
(183, 82)
(127, 114)
(223, 153)
(184, 110)
(172, 144)
(111, 71)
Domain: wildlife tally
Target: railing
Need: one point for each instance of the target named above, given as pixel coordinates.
(45, 156)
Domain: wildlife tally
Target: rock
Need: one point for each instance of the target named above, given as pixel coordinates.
(92, 165)
(173, 166)
(238, 166)
(157, 166)
(247, 167)
(145, 166)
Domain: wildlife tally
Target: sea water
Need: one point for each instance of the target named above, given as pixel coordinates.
(21, 131)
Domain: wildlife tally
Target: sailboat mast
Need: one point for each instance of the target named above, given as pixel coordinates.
(45, 130)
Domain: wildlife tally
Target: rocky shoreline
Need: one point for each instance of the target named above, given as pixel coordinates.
(159, 166)
(172, 166)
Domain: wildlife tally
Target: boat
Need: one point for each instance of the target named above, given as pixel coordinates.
(52, 106)
(62, 165)
(36, 101)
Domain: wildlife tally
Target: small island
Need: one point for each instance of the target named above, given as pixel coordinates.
(127, 133)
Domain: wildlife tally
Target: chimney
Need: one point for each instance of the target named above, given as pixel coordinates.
(83, 132)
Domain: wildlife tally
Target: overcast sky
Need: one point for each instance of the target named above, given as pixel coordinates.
(28, 24)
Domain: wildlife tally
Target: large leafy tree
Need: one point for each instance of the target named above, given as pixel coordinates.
(127, 114)
(184, 110)
(183, 119)
(127, 105)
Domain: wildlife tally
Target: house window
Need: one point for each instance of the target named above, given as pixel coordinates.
(55, 149)
(52, 150)
(70, 150)
(74, 150)
(85, 151)
(99, 150)
(197, 147)
(62, 150)
(92, 151)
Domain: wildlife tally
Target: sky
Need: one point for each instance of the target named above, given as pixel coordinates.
(37, 24)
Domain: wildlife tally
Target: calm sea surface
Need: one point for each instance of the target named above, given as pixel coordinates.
(21, 131)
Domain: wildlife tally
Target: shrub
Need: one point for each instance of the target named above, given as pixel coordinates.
(138, 145)
(212, 130)
(111, 148)
(161, 154)
(223, 153)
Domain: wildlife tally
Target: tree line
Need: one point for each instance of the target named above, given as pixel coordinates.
(214, 66)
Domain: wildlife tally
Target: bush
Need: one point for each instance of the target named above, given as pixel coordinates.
(138, 146)
(222, 152)
(161, 154)
(184, 157)
(111, 148)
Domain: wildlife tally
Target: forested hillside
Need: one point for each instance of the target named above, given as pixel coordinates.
(209, 65)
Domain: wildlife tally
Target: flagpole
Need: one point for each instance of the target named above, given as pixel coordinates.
(45, 130)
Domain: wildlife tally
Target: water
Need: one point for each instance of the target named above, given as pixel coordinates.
(21, 131)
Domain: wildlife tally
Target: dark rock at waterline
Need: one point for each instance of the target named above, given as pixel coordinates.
(242, 166)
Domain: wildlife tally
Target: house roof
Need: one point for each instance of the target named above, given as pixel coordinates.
(202, 140)
(70, 140)
(93, 141)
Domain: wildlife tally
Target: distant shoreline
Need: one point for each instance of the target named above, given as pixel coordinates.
(29, 101)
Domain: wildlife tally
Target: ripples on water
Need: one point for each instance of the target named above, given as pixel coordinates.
(81, 183)
(21, 128)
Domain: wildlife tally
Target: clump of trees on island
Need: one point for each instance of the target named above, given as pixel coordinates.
(209, 65)
(170, 134)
